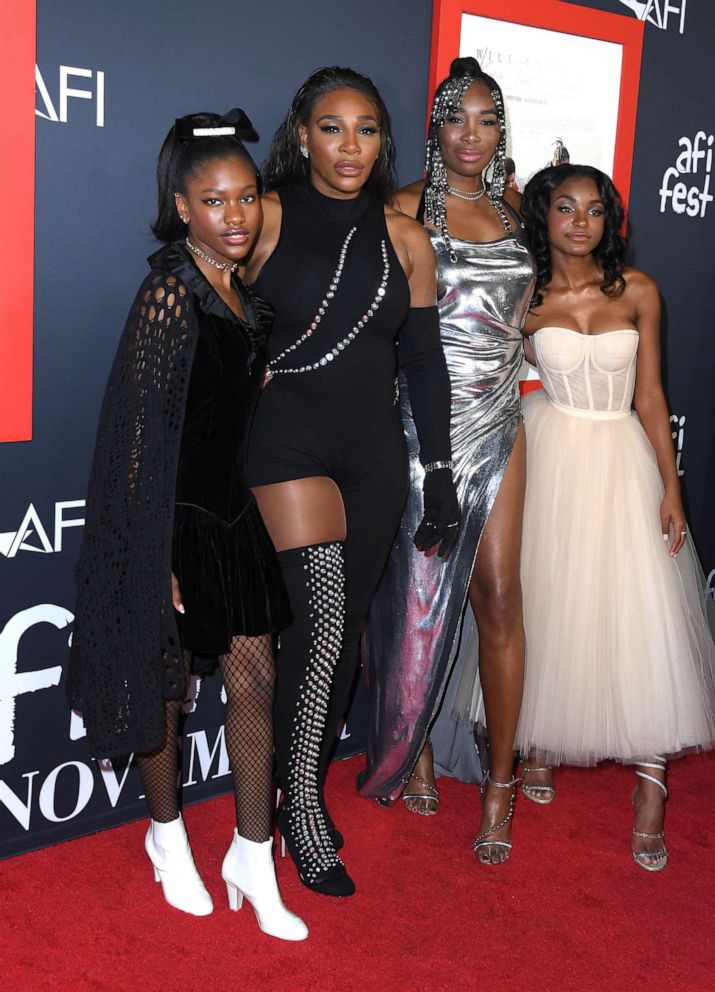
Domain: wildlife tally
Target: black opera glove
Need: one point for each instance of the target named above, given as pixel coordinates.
(442, 516)
(421, 359)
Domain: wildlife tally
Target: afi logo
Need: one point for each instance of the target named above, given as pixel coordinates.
(687, 197)
(14, 683)
(662, 13)
(31, 534)
(67, 92)
(678, 435)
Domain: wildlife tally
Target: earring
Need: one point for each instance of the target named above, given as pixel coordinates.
(182, 217)
(304, 151)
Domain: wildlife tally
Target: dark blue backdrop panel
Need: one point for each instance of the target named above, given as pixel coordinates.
(112, 77)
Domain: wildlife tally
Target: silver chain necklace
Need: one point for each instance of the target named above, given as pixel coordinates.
(223, 266)
(329, 356)
(467, 195)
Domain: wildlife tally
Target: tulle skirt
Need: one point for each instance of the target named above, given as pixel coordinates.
(620, 661)
(230, 579)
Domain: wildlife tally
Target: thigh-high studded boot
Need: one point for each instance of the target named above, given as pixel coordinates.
(308, 654)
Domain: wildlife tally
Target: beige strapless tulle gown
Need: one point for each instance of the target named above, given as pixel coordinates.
(620, 658)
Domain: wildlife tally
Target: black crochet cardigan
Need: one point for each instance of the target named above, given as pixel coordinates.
(125, 658)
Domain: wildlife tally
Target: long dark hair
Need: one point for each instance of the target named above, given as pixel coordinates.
(285, 165)
(182, 155)
(609, 252)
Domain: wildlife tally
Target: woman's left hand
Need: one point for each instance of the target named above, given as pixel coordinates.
(672, 515)
(440, 523)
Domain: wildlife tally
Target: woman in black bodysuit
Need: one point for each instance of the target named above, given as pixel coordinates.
(327, 462)
(170, 521)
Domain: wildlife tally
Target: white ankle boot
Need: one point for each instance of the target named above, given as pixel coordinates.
(248, 871)
(168, 848)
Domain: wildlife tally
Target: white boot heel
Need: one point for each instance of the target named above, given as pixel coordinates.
(170, 854)
(235, 897)
(249, 873)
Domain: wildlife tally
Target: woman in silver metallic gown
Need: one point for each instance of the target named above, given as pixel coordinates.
(485, 283)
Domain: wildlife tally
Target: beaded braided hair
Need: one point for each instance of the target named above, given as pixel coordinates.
(448, 99)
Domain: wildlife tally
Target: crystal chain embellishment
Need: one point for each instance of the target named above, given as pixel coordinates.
(322, 309)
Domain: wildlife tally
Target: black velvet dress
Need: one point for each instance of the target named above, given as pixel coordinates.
(167, 492)
(222, 555)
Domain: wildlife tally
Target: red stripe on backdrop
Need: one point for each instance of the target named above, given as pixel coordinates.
(17, 209)
(529, 385)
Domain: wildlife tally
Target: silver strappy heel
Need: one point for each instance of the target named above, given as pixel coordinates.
(651, 860)
(542, 795)
(483, 839)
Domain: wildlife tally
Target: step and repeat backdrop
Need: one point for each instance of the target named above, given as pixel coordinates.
(109, 80)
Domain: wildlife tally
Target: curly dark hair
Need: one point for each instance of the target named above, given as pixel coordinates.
(285, 165)
(611, 249)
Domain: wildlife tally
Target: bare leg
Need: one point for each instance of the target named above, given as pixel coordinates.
(495, 595)
(302, 512)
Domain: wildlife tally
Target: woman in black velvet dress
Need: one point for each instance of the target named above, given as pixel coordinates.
(346, 275)
(171, 521)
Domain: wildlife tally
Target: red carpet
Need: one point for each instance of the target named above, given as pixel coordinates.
(569, 913)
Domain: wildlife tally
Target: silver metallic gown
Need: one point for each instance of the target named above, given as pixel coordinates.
(412, 632)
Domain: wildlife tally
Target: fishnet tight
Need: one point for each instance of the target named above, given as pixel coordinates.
(248, 672)
(249, 677)
(159, 769)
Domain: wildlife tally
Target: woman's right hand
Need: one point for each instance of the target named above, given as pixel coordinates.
(176, 594)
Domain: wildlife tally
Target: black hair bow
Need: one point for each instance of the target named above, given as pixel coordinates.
(233, 124)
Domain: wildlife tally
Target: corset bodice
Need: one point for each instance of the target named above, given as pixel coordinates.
(591, 375)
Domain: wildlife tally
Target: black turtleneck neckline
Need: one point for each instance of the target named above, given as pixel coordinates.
(337, 209)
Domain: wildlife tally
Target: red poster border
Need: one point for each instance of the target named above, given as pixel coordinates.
(17, 209)
(554, 15)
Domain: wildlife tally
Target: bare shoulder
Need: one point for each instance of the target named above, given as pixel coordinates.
(267, 239)
(640, 287)
(272, 210)
(407, 199)
(639, 280)
(405, 230)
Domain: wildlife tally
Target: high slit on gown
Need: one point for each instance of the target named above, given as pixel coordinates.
(413, 630)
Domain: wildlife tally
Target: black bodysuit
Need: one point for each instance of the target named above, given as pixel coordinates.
(331, 410)
(341, 421)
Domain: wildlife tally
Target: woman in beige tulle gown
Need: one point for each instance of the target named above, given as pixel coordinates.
(620, 659)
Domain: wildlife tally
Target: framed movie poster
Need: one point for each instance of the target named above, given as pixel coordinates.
(569, 75)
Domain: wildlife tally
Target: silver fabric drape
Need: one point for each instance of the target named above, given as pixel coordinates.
(414, 621)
